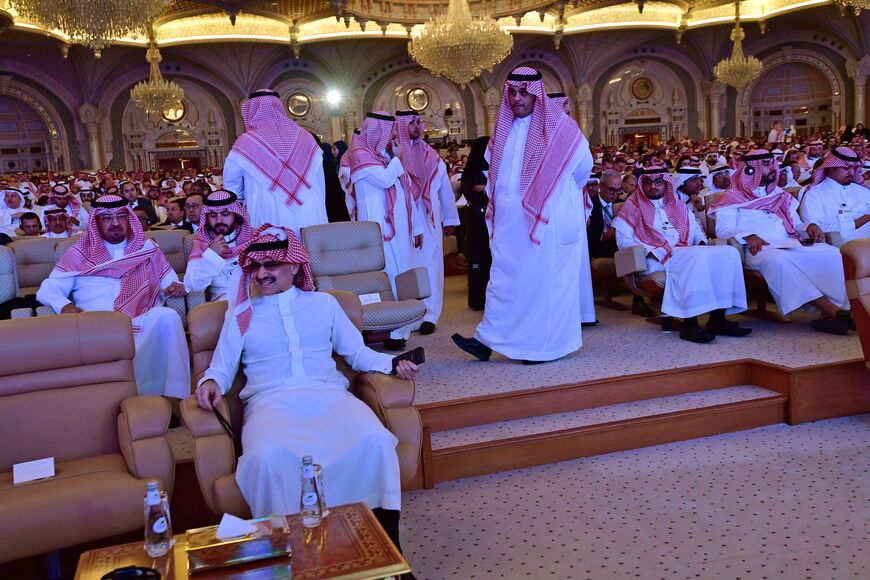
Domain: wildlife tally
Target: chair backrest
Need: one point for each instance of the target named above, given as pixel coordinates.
(62, 246)
(171, 243)
(342, 248)
(8, 278)
(188, 245)
(62, 380)
(34, 260)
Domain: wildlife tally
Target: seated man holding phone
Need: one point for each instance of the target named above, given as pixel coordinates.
(296, 401)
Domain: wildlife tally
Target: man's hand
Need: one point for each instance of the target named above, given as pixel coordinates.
(861, 221)
(755, 243)
(418, 241)
(815, 233)
(176, 290)
(396, 147)
(220, 247)
(448, 230)
(208, 395)
(405, 369)
(70, 309)
(609, 234)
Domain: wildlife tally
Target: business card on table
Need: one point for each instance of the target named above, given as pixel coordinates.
(32, 470)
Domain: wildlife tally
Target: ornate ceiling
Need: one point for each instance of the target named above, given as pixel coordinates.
(297, 22)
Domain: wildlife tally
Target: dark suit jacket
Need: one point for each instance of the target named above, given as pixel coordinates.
(146, 204)
(594, 231)
(185, 225)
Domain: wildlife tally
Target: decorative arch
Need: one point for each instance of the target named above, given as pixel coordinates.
(838, 83)
(58, 120)
(538, 58)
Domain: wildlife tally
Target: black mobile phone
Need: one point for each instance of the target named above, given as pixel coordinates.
(416, 356)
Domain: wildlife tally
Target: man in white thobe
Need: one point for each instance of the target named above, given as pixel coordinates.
(539, 164)
(296, 401)
(835, 202)
(57, 223)
(276, 167)
(699, 278)
(382, 193)
(113, 266)
(60, 196)
(761, 215)
(223, 232)
(432, 192)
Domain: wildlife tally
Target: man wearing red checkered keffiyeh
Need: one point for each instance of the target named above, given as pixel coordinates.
(433, 194)
(539, 163)
(698, 279)
(762, 216)
(836, 202)
(382, 192)
(113, 266)
(283, 334)
(276, 167)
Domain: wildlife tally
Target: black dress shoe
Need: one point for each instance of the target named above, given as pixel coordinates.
(639, 307)
(394, 344)
(473, 347)
(696, 334)
(726, 328)
(427, 328)
(847, 315)
(534, 362)
(585, 324)
(836, 325)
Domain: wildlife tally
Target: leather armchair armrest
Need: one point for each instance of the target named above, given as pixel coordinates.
(834, 238)
(380, 391)
(213, 454)
(630, 260)
(142, 425)
(413, 284)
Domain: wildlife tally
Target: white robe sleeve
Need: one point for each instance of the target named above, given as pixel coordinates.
(799, 224)
(696, 234)
(234, 177)
(625, 238)
(584, 167)
(812, 211)
(449, 212)
(200, 273)
(55, 291)
(726, 225)
(380, 177)
(348, 342)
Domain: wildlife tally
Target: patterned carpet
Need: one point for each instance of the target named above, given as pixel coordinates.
(622, 344)
(775, 502)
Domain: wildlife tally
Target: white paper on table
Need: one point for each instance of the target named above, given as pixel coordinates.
(233, 527)
(32, 470)
(369, 298)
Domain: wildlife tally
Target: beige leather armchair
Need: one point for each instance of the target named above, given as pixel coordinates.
(67, 391)
(214, 453)
(856, 263)
(350, 256)
(34, 261)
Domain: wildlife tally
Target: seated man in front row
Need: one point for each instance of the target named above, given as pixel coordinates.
(112, 266)
(698, 280)
(296, 401)
(224, 231)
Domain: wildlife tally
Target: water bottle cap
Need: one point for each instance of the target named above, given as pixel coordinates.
(151, 486)
(307, 460)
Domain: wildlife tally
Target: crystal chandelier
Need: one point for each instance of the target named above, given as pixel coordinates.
(856, 5)
(94, 23)
(738, 70)
(458, 46)
(155, 94)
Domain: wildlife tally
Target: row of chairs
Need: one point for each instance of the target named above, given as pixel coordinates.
(79, 406)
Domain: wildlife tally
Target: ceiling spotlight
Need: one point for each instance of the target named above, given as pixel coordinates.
(333, 97)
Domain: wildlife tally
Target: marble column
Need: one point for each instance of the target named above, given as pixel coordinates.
(584, 108)
(860, 90)
(90, 118)
(716, 91)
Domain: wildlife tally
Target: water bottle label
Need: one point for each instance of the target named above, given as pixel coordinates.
(309, 499)
(159, 526)
(153, 498)
(307, 471)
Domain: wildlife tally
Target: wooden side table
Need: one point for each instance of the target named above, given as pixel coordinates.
(350, 544)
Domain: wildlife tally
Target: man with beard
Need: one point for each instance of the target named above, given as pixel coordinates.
(130, 191)
(60, 196)
(57, 223)
(813, 154)
(835, 202)
(224, 231)
(114, 267)
(757, 213)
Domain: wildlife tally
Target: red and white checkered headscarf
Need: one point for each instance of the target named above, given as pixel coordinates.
(278, 148)
(140, 270)
(551, 143)
(67, 198)
(560, 99)
(640, 213)
(420, 160)
(745, 180)
(269, 243)
(367, 151)
(839, 157)
(218, 201)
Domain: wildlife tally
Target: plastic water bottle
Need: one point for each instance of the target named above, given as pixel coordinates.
(309, 503)
(158, 526)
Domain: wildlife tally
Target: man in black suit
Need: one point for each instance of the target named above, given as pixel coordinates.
(600, 233)
(175, 217)
(130, 191)
(192, 211)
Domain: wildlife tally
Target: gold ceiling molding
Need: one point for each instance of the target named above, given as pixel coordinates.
(309, 21)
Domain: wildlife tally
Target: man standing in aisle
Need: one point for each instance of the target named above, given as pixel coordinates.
(276, 167)
(433, 194)
(382, 193)
(539, 163)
